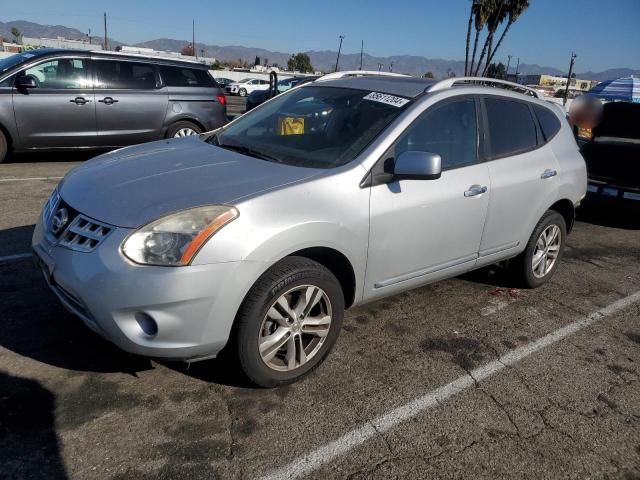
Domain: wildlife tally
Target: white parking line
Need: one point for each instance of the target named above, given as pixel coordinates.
(330, 451)
(18, 256)
(28, 179)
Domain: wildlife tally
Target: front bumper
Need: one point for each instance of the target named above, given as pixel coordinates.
(193, 307)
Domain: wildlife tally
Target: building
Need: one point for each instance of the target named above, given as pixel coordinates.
(29, 43)
(553, 81)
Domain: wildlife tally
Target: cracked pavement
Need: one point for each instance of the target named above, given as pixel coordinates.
(73, 406)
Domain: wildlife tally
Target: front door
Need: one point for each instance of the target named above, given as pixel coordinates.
(60, 110)
(131, 104)
(424, 230)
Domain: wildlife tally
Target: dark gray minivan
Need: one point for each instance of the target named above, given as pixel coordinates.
(66, 99)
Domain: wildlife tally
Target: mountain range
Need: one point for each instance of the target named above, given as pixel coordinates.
(321, 60)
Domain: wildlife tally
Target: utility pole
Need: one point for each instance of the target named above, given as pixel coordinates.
(193, 37)
(361, 53)
(566, 90)
(89, 36)
(517, 67)
(339, 48)
(508, 63)
(106, 41)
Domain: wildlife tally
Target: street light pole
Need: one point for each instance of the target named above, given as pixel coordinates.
(106, 41)
(361, 53)
(339, 48)
(566, 90)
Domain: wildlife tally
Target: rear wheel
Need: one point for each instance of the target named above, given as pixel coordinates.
(537, 264)
(3, 147)
(289, 322)
(183, 129)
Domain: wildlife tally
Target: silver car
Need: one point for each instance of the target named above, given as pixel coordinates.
(256, 237)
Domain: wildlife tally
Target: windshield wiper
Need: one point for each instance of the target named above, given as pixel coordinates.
(248, 151)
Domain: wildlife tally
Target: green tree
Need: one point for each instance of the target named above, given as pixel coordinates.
(300, 62)
(497, 71)
(515, 8)
(428, 75)
(481, 10)
(16, 34)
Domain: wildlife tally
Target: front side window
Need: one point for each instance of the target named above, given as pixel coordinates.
(60, 74)
(316, 127)
(125, 75)
(448, 129)
(511, 127)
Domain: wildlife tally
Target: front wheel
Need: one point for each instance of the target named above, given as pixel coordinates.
(183, 129)
(242, 92)
(288, 322)
(539, 261)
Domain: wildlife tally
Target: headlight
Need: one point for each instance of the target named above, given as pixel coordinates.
(175, 239)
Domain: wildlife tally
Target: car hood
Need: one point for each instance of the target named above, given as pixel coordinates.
(132, 186)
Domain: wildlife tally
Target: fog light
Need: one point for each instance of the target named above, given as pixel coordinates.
(147, 323)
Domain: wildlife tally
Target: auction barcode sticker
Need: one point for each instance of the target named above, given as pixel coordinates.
(386, 98)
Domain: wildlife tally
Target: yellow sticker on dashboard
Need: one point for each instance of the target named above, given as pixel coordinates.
(291, 126)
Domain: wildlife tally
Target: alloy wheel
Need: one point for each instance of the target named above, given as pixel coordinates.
(546, 251)
(185, 132)
(295, 328)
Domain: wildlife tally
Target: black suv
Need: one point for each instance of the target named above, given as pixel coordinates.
(67, 99)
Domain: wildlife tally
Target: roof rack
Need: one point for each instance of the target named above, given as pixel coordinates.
(147, 56)
(483, 82)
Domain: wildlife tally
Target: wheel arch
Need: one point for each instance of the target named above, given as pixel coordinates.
(565, 208)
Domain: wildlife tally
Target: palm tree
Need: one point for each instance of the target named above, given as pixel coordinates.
(466, 53)
(496, 17)
(515, 8)
(481, 11)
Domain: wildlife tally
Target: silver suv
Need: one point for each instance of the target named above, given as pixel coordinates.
(257, 236)
(68, 99)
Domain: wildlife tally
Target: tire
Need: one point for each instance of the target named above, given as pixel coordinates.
(290, 279)
(242, 92)
(3, 147)
(523, 266)
(182, 129)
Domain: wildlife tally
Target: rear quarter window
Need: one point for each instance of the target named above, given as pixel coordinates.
(549, 123)
(511, 126)
(186, 77)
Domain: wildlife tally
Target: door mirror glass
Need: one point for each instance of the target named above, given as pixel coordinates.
(26, 81)
(416, 165)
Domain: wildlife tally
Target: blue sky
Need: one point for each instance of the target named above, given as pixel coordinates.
(604, 33)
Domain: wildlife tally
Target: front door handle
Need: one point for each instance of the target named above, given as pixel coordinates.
(108, 101)
(79, 101)
(475, 190)
(548, 173)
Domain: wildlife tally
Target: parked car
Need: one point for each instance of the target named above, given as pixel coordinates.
(223, 82)
(246, 86)
(338, 193)
(613, 157)
(66, 99)
(257, 97)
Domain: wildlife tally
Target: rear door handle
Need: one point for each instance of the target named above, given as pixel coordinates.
(108, 101)
(79, 100)
(475, 190)
(548, 173)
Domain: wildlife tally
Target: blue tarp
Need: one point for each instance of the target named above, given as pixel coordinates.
(625, 89)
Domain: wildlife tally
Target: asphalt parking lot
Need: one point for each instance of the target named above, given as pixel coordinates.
(446, 381)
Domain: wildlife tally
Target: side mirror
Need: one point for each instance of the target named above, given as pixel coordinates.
(414, 165)
(26, 81)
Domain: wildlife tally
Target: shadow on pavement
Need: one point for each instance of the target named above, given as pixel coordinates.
(28, 441)
(610, 216)
(35, 157)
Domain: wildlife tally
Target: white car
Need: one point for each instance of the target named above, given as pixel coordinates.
(246, 86)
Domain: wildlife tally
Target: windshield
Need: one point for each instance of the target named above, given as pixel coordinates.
(316, 127)
(13, 60)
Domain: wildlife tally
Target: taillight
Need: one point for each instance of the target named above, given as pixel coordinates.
(222, 99)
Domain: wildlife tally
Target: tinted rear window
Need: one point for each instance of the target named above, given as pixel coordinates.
(126, 75)
(511, 126)
(186, 77)
(548, 121)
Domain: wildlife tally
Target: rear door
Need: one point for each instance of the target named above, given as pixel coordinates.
(524, 174)
(60, 111)
(131, 103)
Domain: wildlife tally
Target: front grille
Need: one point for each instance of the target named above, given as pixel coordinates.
(84, 234)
